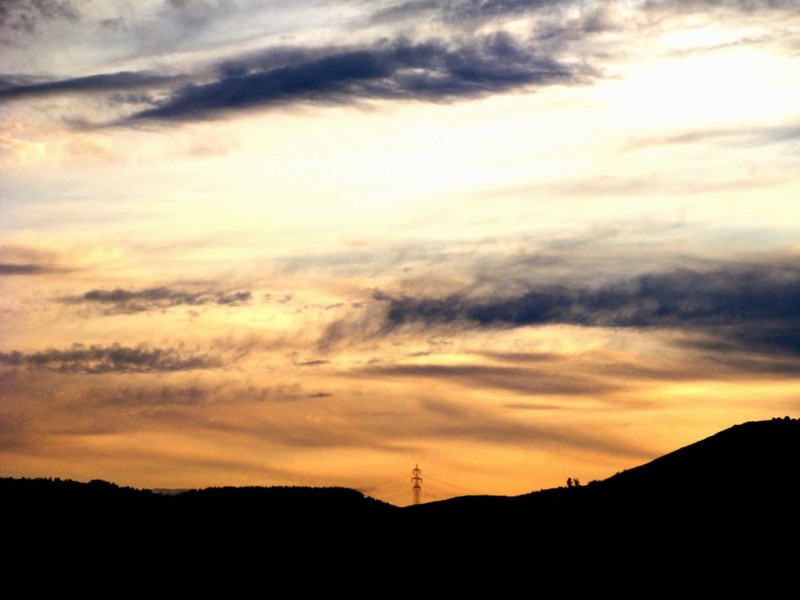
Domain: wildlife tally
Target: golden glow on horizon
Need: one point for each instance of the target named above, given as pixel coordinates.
(368, 235)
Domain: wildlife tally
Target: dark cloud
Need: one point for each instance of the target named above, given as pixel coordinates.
(760, 348)
(680, 297)
(13, 81)
(198, 393)
(21, 260)
(312, 363)
(235, 298)
(105, 82)
(111, 359)
(26, 269)
(400, 70)
(133, 301)
(439, 70)
(753, 305)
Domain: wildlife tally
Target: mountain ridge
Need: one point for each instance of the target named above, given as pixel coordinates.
(760, 452)
(668, 518)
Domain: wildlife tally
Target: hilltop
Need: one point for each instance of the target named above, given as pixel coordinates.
(742, 478)
(727, 494)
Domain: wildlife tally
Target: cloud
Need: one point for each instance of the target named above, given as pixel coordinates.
(680, 297)
(550, 380)
(747, 6)
(400, 70)
(197, 12)
(120, 300)
(450, 420)
(458, 10)
(745, 137)
(234, 298)
(312, 363)
(104, 82)
(753, 305)
(557, 22)
(198, 393)
(26, 269)
(23, 16)
(452, 61)
(141, 396)
(21, 260)
(184, 18)
(556, 26)
(111, 359)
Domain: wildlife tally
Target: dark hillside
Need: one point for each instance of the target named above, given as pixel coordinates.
(66, 503)
(738, 484)
(732, 496)
(754, 459)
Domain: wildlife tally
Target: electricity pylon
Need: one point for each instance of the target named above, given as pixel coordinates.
(417, 480)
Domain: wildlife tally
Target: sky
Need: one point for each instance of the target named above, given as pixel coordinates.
(319, 243)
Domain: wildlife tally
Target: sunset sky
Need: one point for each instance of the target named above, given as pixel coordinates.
(319, 242)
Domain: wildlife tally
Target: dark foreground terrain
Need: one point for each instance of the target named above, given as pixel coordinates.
(728, 505)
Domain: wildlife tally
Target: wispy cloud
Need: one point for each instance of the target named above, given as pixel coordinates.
(449, 420)
(199, 392)
(528, 381)
(459, 10)
(748, 6)
(26, 269)
(120, 300)
(312, 363)
(25, 15)
(104, 82)
(745, 137)
(25, 260)
(111, 359)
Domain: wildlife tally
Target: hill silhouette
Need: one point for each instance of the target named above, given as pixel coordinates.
(747, 465)
(732, 496)
(741, 481)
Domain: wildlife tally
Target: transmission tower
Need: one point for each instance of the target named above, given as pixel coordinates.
(417, 480)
